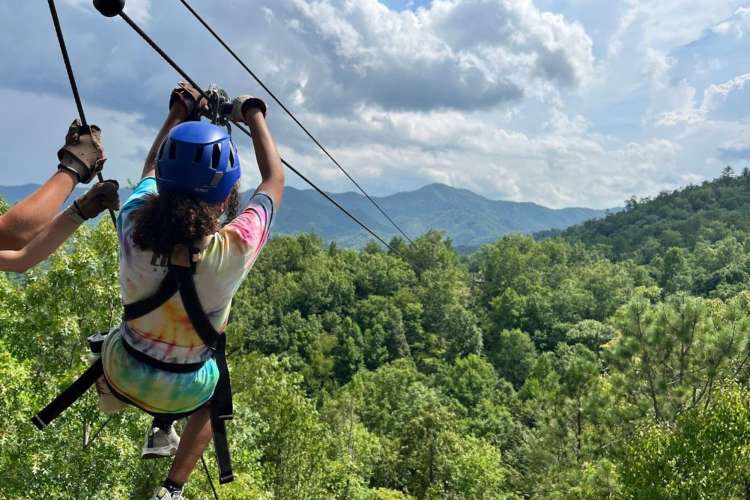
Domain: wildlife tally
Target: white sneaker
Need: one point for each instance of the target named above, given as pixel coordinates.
(160, 443)
(163, 494)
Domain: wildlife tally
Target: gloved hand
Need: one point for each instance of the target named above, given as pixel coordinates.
(243, 103)
(83, 153)
(193, 101)
(101, 197)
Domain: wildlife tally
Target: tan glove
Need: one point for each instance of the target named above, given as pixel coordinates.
(83, 153)
(193, 101)
(243, 103)
(103, 196)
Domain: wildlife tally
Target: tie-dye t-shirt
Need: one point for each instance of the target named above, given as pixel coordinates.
(167, 334)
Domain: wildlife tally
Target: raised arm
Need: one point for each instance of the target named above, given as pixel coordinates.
(175, 117)
(101, 197)
(81, 158)
(185, 103)
(252, 110)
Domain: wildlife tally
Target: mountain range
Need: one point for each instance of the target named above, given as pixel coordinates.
(467, 218)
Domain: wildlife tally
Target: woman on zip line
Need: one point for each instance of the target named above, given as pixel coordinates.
(33, 229)
(189, 182)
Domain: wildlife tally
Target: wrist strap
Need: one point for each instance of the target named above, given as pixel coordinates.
(72, 164)
(255, 103)
(75, 213)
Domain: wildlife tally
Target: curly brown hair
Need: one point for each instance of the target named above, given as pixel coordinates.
(170, 219)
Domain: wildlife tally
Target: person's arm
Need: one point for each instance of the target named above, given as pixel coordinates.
(81, 159)
(271, 169)
(52, 236)
(25, 220)
(101, 197)
(175, 117)
(185, 103)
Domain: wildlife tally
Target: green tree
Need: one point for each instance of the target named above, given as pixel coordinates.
(670, 355)
(512, 353)
(705, 453)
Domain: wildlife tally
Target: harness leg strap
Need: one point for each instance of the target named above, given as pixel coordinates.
(222, 398)
(221, 447)
(68, 396)
(221, 411)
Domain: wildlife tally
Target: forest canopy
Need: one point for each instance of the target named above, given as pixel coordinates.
(610, 362)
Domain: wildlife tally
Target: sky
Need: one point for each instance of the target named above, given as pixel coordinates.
(558, 102)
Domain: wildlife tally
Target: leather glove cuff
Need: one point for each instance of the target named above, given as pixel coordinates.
(195, 104)
(243, 103)
(73, 164)
(74, 213)
(82, 153)
(254, 102)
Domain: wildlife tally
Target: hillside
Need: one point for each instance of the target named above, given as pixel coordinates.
(531, 370)
(468, 219)
(707, 212)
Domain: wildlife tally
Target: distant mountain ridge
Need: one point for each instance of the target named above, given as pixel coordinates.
(467, 218)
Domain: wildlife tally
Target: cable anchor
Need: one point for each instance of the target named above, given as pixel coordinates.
(109, 8)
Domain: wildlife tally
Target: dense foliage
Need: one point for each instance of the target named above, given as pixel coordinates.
(531, 369)
(713, 211)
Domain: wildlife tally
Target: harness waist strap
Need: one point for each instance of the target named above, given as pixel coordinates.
(159, 364)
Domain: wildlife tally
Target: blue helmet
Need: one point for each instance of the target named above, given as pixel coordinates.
(199, 159)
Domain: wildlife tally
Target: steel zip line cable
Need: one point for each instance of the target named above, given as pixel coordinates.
(291, 115)
(72, 79)
(210, 481)
(84, 123)
(182, 73)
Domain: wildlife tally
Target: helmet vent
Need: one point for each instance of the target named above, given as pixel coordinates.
(172, 150)
(198, 154)
(216, 156)
(231, 157)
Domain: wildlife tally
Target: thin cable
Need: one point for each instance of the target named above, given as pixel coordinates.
(163, 54)
(72, 79)
(177, 68)
(99, 431)
(210, 481)
(291, 115)
(326, 196)
(66, 59)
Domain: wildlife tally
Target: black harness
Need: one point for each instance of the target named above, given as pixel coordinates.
(179, 278)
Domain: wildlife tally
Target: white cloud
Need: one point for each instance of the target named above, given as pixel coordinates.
(738, 25)
(468, 54)
(562, 102)
(688, 113)
(553, 166)
(716, 94)
(670, 23)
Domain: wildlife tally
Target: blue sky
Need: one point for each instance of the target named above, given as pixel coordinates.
(560, 102)
(400, 5)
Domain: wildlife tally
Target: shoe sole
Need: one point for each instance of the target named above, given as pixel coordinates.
(158, 454)
(151, 456)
